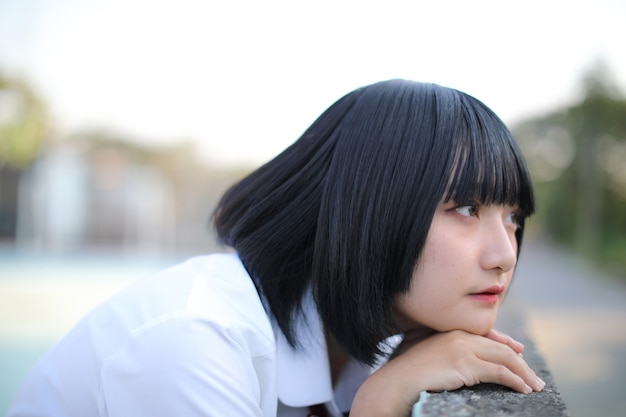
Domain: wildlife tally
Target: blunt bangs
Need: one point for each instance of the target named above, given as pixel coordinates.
(487, 166)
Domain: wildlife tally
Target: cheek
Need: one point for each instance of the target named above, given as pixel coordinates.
(437, 285)
(432, 283)
(432, 290)
(440, 268)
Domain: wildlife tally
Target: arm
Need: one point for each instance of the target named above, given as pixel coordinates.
(443, 361)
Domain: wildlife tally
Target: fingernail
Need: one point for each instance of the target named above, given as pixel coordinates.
(541, 383)
(528, 389)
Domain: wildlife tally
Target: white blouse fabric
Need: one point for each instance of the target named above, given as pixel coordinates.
(193, 340)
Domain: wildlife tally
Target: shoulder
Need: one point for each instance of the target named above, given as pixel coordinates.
(216, 334)
(212, 289)
(211, 293)
(223, 292)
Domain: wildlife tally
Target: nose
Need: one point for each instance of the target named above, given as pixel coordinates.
(500, 247)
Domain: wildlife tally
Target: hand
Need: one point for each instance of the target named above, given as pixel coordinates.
(443, 361)
(505, 339)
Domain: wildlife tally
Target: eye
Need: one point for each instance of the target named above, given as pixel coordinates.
(514, 218)
(467, 211)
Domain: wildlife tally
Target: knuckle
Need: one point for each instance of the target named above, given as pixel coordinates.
(502, 372)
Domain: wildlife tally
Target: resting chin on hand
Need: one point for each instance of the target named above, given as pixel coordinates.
(430, 361)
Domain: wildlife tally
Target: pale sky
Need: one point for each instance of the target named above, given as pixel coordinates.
(245, 78)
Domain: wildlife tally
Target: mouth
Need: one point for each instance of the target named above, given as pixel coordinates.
(489, 295)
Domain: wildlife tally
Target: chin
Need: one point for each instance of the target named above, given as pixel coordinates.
(480, 328)
(479, 324)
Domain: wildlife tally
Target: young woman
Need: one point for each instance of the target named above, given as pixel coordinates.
(397, 216)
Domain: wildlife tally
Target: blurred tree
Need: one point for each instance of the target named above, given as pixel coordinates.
(577, 157)
(22, 126)
(22, 123)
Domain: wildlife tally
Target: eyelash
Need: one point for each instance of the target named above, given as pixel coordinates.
(515, 217)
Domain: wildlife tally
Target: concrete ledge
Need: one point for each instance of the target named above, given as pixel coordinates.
(491, 400)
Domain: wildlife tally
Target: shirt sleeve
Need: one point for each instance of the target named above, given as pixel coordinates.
(182, 366)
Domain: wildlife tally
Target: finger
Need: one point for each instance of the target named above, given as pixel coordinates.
(496, 354)
(500, 374)
(497, 336)
(500, 337)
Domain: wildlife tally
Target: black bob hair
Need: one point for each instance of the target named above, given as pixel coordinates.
(345, 210)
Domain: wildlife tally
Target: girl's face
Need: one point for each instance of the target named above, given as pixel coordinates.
(464, 270)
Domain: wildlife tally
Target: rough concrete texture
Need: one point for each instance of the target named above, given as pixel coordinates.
(491, 400)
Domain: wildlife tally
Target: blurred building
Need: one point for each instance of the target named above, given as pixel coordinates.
(85, 195)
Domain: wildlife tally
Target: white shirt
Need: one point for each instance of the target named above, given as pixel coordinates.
(194, 340)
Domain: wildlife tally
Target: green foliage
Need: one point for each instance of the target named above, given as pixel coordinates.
(577, 156)
(22, 123)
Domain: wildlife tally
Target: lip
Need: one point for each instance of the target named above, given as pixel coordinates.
(489, 295)
(494, 289)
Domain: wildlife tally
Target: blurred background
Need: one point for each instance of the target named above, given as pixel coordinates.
(121, 122)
